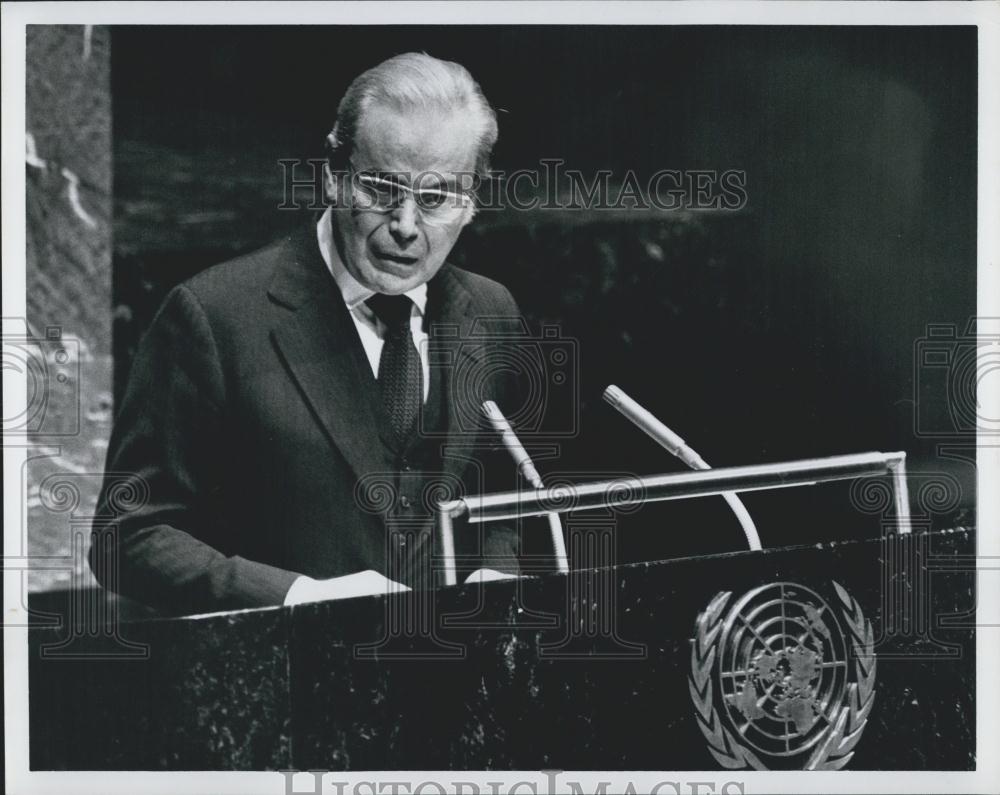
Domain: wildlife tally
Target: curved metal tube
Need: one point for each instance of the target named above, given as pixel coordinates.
(656, 488)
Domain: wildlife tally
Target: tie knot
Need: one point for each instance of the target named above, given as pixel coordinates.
(393, 310)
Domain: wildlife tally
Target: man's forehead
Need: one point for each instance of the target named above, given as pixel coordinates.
(415, 141)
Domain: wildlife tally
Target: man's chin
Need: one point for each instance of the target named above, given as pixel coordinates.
(394, 278)
(393, 285)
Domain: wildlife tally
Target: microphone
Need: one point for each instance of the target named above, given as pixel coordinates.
(521, 458)
(527, 470)
(647, 422)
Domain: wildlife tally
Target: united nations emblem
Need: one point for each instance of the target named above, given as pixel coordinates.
(778, 683)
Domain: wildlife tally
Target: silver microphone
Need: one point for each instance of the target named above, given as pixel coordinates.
(530, 474)
(646, 422)
(512, 443)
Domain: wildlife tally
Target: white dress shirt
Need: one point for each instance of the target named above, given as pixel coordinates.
(371, 330)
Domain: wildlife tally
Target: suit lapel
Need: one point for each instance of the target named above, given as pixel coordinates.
(319, 345)
(456, 350)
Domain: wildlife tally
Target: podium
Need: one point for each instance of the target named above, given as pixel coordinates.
(855, 654)
(521, 675)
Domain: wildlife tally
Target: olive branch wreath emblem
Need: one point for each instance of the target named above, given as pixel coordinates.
(835, 749)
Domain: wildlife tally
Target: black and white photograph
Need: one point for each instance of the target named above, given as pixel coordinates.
(501, 397)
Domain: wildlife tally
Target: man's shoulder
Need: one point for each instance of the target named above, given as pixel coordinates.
(243, 276)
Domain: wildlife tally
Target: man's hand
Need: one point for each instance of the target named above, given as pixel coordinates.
(486, 575)
(364, 583)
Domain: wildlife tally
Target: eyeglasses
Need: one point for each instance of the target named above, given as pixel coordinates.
(379, 193)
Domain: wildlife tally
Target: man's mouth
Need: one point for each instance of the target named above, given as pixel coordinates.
(399, 259)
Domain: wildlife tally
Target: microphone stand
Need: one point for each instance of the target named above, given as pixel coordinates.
(527, 470)
(646, 422)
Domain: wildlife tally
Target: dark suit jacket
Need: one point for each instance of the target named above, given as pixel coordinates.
(248, 425)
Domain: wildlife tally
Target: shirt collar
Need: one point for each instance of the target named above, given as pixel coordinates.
(353, 292)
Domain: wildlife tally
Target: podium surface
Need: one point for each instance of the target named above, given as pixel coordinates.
(854, 654)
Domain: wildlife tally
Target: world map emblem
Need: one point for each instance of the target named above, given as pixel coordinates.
(782, 679)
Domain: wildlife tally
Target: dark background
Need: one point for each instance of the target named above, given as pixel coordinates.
(785, 330)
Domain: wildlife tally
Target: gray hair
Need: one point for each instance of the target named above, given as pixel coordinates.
(414, 80)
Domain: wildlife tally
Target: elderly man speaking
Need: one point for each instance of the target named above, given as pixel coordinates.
(292, 415)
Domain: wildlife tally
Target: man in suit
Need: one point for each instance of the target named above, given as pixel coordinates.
(292, 415)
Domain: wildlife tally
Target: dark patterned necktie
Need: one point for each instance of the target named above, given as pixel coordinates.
(400, 376)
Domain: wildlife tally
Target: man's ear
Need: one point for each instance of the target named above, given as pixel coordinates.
(469, 213)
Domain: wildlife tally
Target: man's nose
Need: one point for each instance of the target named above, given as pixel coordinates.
(404, 221)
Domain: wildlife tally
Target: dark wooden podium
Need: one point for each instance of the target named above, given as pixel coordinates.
(596, 670)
